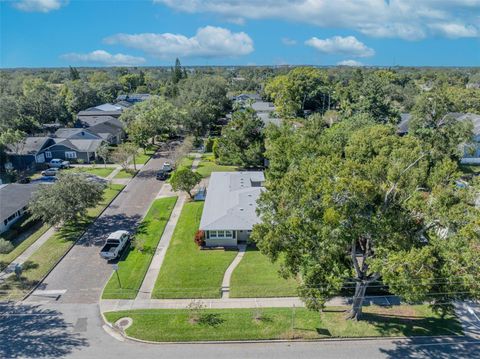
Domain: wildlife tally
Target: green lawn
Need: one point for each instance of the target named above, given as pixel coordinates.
(207, 166)
(144, 156)
(97, 171)
(187, 271)
(6, 259)
(283, 323)
(134, 264)
(257, 276)
(52, 250)
(186, 162)
(124, 174)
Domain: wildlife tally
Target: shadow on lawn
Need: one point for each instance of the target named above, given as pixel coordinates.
(31, 331)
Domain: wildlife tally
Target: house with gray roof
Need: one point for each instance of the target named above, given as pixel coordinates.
(229, 213)
(134, 97)
(27, 153)
(14, 199)
(72, 149)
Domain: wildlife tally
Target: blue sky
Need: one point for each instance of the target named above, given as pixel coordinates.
(55, 33)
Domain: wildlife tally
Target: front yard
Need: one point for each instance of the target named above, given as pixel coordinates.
(135, 262)
(187, 271)
(257, 276)
(97, 171)
(207, 165)
(52, 250)
(283, 323)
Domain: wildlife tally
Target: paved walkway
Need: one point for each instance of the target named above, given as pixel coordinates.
(154, 269)
(196, 161)
(22, 258)
(228, 273)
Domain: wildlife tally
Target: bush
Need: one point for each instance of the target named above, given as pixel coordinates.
(5, 246)
(80, 161)
(209, 144)
(199, 238)
(215, 148)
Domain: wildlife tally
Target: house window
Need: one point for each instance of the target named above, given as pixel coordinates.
(213, 234)
(48, 154)
(228, 234)
(70, 154)
(221, 234)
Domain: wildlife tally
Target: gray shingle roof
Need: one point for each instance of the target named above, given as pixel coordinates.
(15, 196)
(94, 120)
(406, 117)
(31, 145)
(232, 200)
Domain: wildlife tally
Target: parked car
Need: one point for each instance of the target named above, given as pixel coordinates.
(58, 163)
(167, 167)
(114, 245)
(162, 175)
(50, 172)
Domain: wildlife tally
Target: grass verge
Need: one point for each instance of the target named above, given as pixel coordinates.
(45, 258)
(207, 165)
(125, 174)
(143, 156)
(283, 323)
(97, 171)
(187, 271)
(134, 263)
(257, 276)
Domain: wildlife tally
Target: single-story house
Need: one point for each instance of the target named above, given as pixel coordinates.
(28, 153)
(88, 121)
(76, 134)
(96, 112)
(229, 213)
(14, 199)
(73, 149)
(471, 150)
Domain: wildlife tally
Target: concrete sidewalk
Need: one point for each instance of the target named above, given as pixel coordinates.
(148, 283)
(228, 273)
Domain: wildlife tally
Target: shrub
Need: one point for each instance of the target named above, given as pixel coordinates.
(209, 144)
(5, 246)
(215, 148)
(199, 238)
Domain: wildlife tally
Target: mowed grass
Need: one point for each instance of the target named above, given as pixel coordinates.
(97, 171)
(207, 165)
(134, 263)
(40, 263)
(144, 156)
(187, 271)
(256, 276)
(283, 323)
(38, 231)
(124, 174)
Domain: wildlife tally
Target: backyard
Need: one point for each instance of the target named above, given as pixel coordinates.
(187, 271)
(208, 165)
(136, 260)
(52, 251)
(283, 323)
(257, 276)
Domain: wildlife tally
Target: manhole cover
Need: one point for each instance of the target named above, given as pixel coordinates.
(123, 323)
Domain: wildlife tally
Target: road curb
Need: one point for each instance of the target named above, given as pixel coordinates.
(69, 249)
(266, 341)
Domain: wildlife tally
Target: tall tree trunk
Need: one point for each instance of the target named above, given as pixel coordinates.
(357, 304)
(134, 164)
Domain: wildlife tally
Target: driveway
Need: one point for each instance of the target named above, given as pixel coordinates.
(81, 275)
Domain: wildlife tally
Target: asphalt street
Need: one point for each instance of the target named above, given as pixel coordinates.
(81, 275)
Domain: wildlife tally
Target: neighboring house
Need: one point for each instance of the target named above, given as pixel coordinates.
(14, 199)
(133, 98)
(76, 134)
(88, 121)
(28, 153)
(471, 150)
(73, 149)
(96, 112)
(229, 213)
(108, 128)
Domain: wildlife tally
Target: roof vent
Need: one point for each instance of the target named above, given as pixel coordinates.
(241, 209)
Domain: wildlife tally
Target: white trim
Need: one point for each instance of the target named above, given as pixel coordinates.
(70, 154)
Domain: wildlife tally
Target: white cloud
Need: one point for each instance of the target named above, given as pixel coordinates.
(348, 45)
(453, 30)
(209, 41)
(289, 42)
(39, 5)
(352, 63)
(104, 58)
(406, 19)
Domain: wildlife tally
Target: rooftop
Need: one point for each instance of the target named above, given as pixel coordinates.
(14, 196)
(232, 201)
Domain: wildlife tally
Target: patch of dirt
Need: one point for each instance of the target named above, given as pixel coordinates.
(406, 312)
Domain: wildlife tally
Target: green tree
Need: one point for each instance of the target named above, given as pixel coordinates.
(74, 74)
(67, 200)
(184, 179)
(242, 140)
(123, 154)
(177, 73)
(103, 152)
(358, 204)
